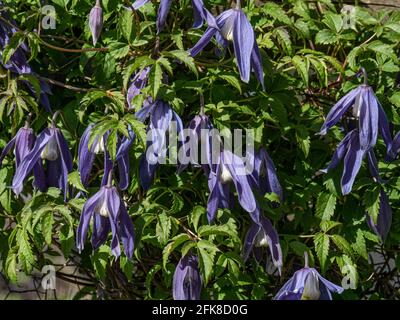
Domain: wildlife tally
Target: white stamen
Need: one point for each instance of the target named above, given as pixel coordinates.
(227, 28)
(226, 176)
(50, 151)
(261, 239)
(102, 208)
(98, 145)
(311, 288)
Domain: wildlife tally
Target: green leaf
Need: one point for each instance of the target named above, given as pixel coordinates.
(342, 244)
(326, 36)
(155, 79)
(47, 226)
(172, 245)
(163, 228)
(112, 144)
(74, 179)
(207, 253)
(232, 80)
(359, 246)
(66, 237)
(184, 57)
(15, 41)
(11, 266)
(100, 260)
(321, 243)
(195, 216)
(325, 207)
(371, 200)
(302, 68)
(26, 257)
(149, 278)
(126, 25)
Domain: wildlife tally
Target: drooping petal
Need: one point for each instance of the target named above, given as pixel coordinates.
(123, 170)
(271, 181)
(338, 110)
(214, 197)
(239, 174)
(7, 148)
(126, 231)
(339, 152)
(394, 148)
(101, 229)
(87, 212)
(273, 242)
(373, 166)
(384, 222)
(85, 156)
(139, 3)
(328, 288)
(204, 40)
(384, 125)
(249, 240)
(293, 288)
(256, 64)
(113, 205)
(146, 172)
(201, 14)
(352, 164)
(66, 161)
(368, 128)
(108, 166)
(31, 159)
(243, 43)
(163, 11)
(186, 284)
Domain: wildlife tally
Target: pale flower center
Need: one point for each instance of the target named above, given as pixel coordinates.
(357, 106)
(311, 288)
(226, 176)
(102, 208)
(261, 239)
(50, 151)
(227, 29)
(98, 145)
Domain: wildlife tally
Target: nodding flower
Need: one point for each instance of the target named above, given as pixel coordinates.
(307, 284)
(233, 25)
(22, 144)
(201, 14)
(186, 284)
(259, 236)
(96, 21)
(109, 213)
(161, 115)
(52, 148)
(366, 110)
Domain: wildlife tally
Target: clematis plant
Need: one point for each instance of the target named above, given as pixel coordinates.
(51, 147)
(233, 25)
(307, 284)
(186, 284)
(109, 213)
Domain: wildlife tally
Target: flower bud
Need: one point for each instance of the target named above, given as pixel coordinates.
(96, 21)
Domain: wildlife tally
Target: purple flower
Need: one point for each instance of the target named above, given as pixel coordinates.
(264, 176)
(87, 155)
(384, 221)
(258, 237)
(96, 21)
(138, 82)
(307, 284)
(201, 14)
(368, 112)
(108, 212)
(186, 284)
(161, 116)
(230, 168)
(22, 144)
(52, 147)
(198, 123)
(233, 25)
(348, 150)
(394, 148)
